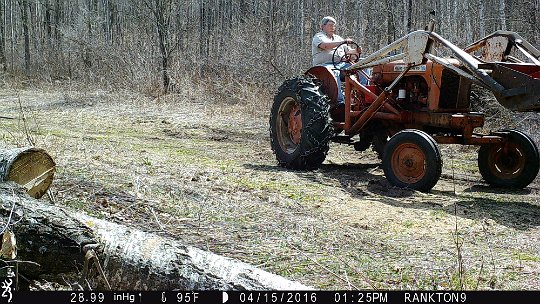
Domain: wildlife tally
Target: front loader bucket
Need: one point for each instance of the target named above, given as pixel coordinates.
(522, 83)
(517, 82)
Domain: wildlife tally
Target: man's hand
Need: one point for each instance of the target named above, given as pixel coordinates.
(356, 51)
(350, 51)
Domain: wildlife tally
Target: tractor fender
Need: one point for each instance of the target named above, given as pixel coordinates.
(329, 84)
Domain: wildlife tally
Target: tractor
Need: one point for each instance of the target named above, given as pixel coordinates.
(413, 101)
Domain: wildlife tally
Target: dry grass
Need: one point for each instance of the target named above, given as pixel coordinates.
(199, 169)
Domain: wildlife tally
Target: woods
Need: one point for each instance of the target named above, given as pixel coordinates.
(150, 45)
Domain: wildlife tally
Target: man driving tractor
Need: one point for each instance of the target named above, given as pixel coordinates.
(323, 50)
(414, 101)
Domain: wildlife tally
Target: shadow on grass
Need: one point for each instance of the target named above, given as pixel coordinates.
(509, 210)
(347, 175)
(495, 190)
(511, 213)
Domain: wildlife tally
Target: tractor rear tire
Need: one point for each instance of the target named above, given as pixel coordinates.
(411, 159)
(512, 164)
(300, 127)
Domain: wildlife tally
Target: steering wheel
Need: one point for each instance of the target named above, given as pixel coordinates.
(349, 58)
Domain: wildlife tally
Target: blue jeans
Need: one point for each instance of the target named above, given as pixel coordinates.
(342, 65)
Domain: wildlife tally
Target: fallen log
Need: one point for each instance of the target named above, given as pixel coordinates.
(30, 167)
(60, 240)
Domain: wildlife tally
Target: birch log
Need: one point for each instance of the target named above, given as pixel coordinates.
(30, 167)
(45, 234)
(131, 259)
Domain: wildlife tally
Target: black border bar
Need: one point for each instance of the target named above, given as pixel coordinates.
(255, 297)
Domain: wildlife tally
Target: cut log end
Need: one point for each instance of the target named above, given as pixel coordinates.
(32, 168)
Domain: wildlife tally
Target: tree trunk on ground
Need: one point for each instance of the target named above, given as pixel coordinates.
(45, 234)
(144, 261)
(130, 259)
(32, 168)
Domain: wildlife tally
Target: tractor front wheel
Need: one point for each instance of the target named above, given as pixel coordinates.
(300, 128)
(411, 159)
(511, 164)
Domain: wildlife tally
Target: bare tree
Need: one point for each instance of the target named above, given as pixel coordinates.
(162, 13)
(23, 4)
(3, 62)
(482, 19)
(409, 12)
(502, 14)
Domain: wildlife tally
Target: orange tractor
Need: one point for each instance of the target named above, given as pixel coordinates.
(413, 101)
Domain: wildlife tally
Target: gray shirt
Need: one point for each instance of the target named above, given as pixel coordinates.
(321, 56)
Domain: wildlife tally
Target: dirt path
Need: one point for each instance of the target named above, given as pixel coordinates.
(205, 174)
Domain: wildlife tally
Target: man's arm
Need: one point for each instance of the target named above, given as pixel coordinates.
(333, 45)
(329, 45)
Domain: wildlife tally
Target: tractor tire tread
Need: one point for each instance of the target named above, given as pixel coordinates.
(317, 128)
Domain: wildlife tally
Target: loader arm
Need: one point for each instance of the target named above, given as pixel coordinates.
(515, 84)
(497, 47)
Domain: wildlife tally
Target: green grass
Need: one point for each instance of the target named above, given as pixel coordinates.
(295, 191)
(438, 214)
(408, 223)
(526, 256)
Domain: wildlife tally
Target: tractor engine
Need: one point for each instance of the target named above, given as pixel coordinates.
(428, 86)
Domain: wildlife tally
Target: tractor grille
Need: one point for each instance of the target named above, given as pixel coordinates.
(449, 90)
